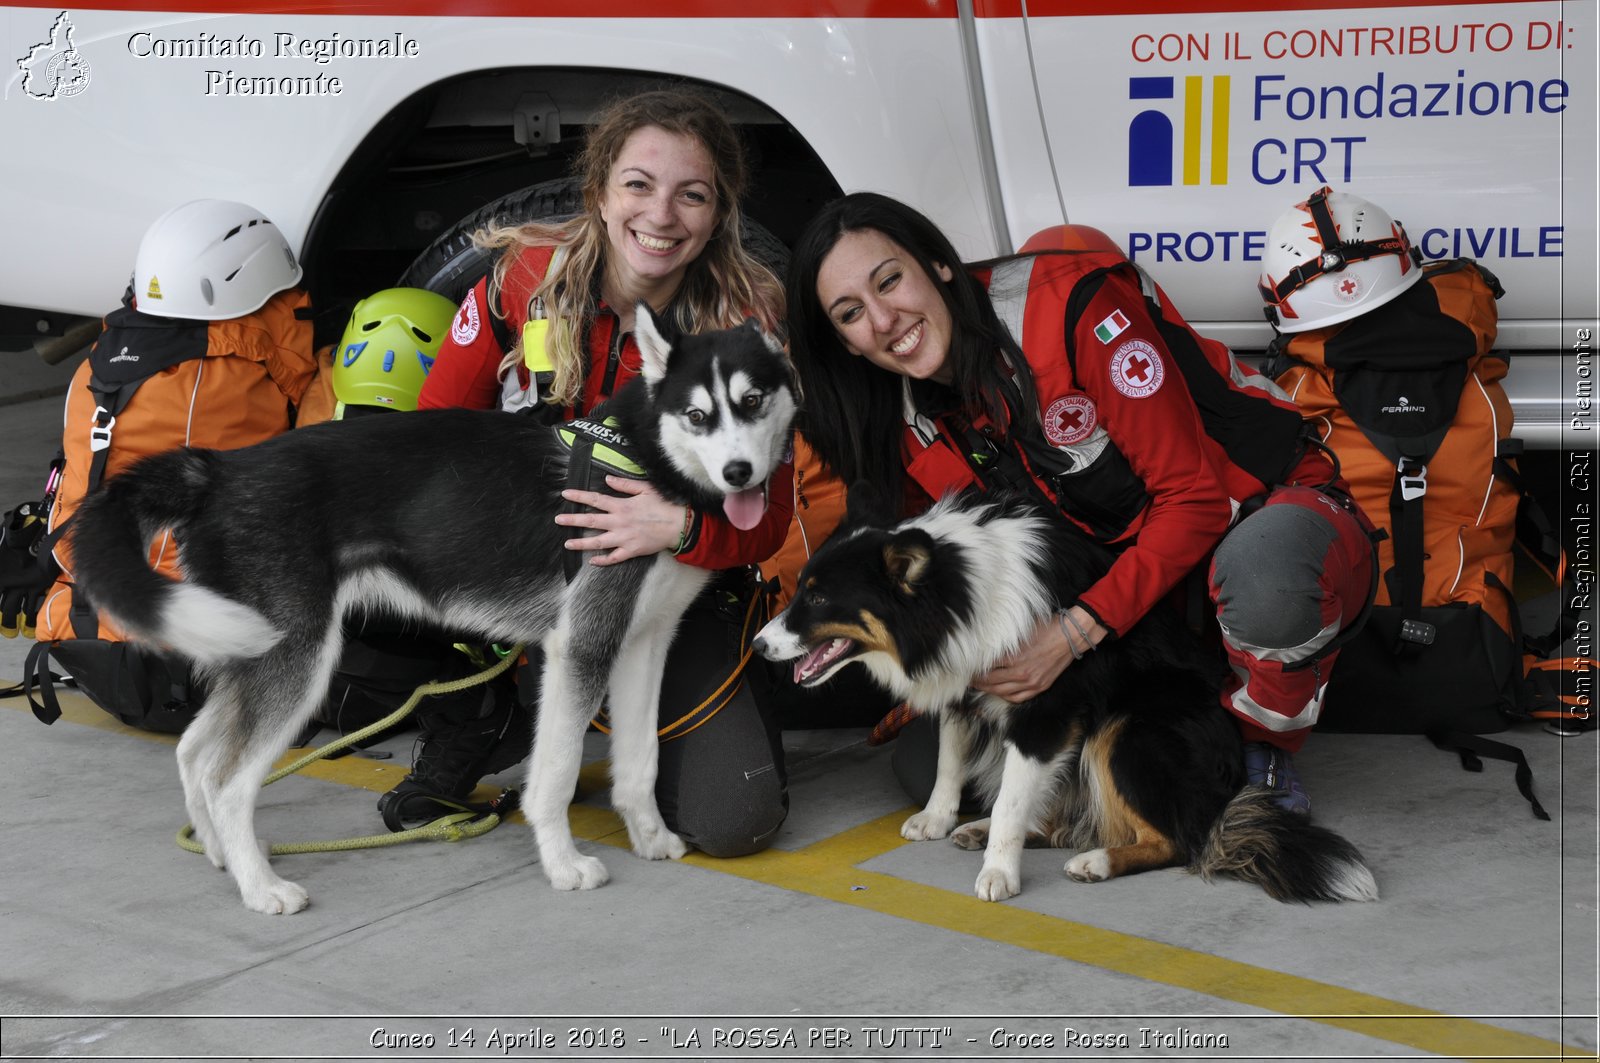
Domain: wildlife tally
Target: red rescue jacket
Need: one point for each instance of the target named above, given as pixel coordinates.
(1150, 437)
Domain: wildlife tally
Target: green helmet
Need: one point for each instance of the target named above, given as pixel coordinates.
(389, 346)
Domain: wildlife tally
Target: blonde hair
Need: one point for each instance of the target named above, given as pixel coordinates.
(720, 288)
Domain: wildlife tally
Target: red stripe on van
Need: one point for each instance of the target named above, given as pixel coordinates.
(1083, 8)
(642, 9)
(739, 9)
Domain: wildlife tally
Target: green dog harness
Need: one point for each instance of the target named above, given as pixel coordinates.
(598, 449)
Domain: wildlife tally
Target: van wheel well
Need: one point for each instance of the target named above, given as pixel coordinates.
(478, 142)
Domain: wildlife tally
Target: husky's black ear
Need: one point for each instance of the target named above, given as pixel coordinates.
(653, 346)
(865, 506)
(906, 556)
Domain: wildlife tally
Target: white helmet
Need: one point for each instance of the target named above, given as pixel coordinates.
(1331, 258)
(210, 260)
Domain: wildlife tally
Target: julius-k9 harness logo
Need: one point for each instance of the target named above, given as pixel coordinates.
(53, 68)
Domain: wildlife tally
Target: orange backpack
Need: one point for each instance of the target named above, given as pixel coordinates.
(151, 384)
(1408, 397)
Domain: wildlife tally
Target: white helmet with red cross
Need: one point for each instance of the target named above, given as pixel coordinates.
(1331, 258)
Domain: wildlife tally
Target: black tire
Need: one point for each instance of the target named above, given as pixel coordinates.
(452, 264)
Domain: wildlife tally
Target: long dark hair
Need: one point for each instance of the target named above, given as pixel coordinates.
(852, 413)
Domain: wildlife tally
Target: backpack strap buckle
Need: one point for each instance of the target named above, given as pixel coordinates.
(100, 431)
(1413, 479)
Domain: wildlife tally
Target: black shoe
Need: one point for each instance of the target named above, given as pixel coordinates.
(465, 736)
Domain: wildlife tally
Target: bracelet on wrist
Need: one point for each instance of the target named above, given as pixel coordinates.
(683, 534)
(1064, 617)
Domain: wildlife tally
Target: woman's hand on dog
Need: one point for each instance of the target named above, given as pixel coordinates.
(1039, 662)
(638, 524)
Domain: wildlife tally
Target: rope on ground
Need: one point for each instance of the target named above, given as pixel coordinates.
(451, 828)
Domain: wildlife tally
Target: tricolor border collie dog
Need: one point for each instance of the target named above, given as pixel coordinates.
(1129, 757)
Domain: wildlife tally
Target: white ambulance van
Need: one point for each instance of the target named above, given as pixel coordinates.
(1182, 128)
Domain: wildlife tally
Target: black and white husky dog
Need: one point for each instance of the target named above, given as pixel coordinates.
(1129, 757)
(444, 516)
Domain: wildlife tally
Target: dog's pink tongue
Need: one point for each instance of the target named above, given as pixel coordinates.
(745, 508)
(812, 662)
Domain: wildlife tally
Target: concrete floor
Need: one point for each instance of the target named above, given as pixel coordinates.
(842, 942)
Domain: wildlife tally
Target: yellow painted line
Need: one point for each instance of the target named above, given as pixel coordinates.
(828, 870)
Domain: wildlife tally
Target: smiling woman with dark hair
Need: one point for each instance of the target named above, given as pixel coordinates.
(1066, 373)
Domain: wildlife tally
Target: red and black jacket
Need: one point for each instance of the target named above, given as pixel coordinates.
(1150, 437)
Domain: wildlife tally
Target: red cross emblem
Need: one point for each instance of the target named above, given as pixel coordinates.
(1069, 420)
(1137, 370)
(1348, 287)
(464, 329)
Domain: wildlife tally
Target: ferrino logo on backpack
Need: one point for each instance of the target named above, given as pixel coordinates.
(1391, 361)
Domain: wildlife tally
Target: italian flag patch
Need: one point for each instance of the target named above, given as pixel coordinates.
(1111, 327)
